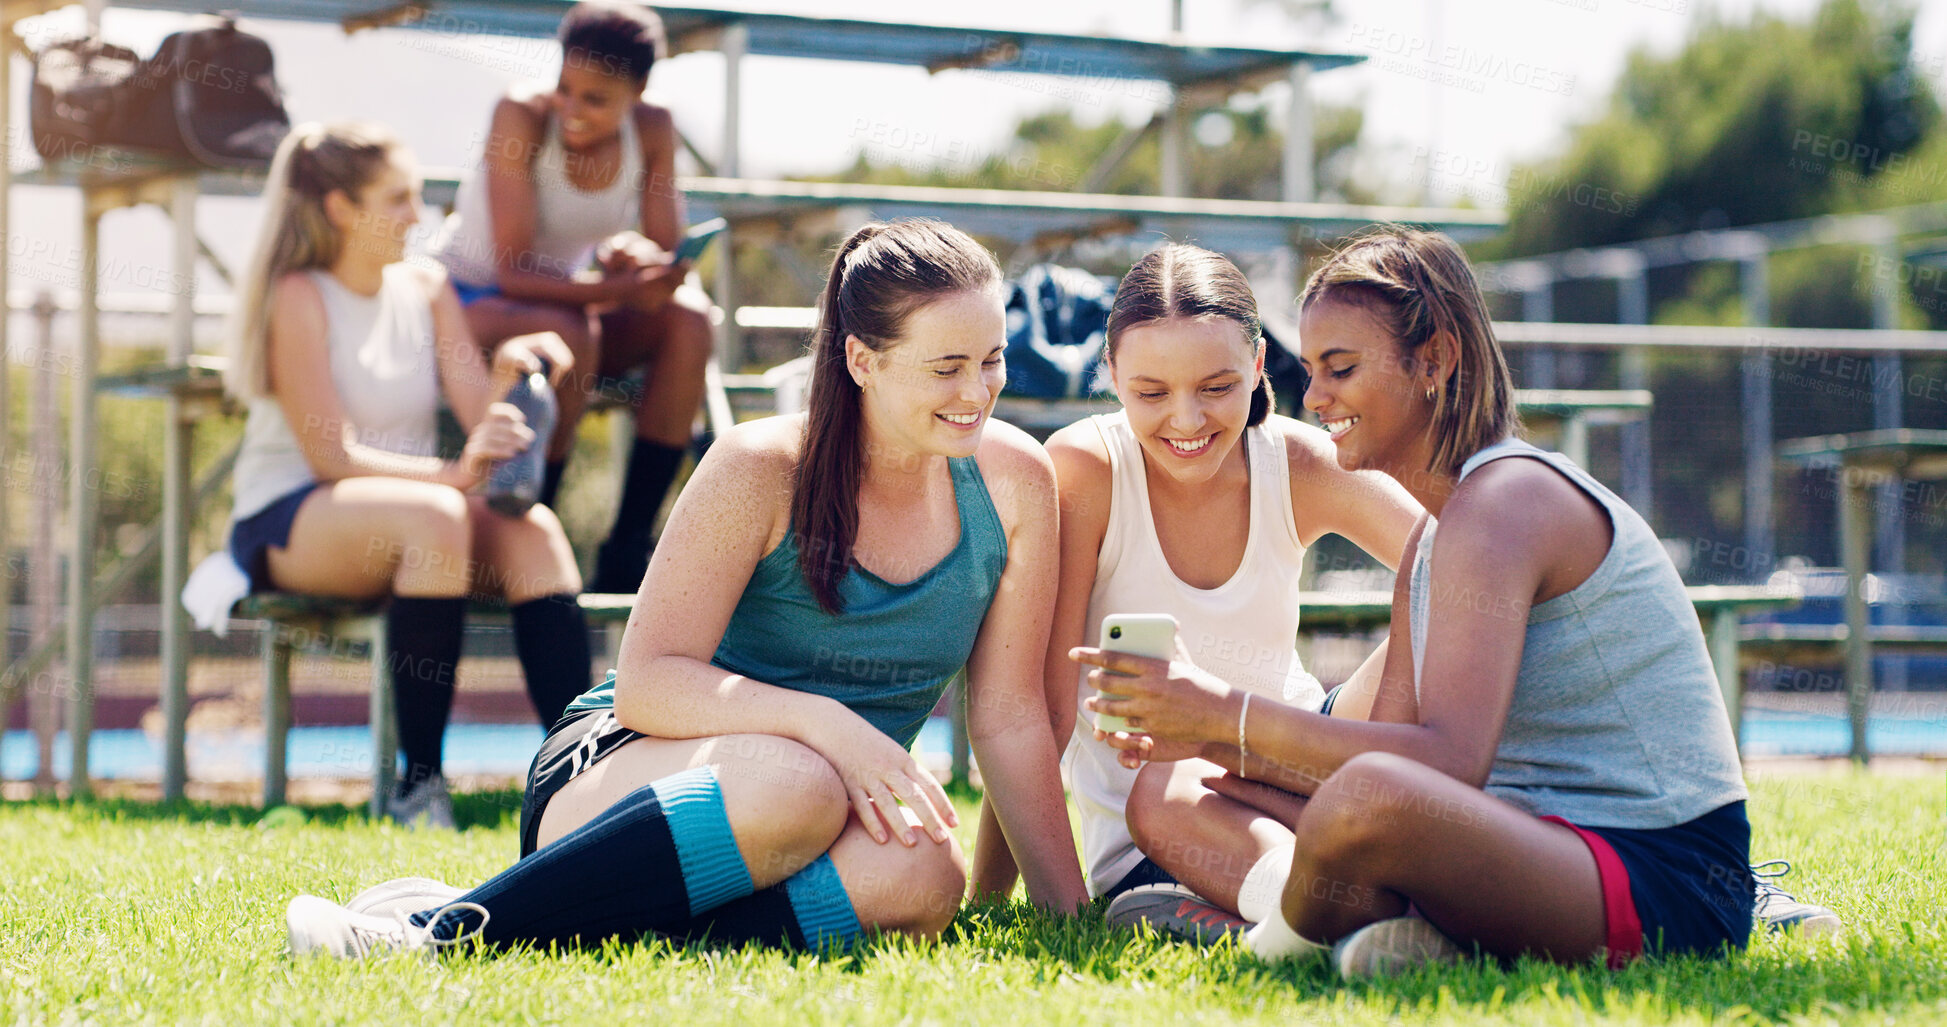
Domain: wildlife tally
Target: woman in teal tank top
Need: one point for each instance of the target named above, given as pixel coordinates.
(744, 772)
(1549, 769)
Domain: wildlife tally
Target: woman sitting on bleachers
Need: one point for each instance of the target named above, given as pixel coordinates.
(344, 352)
(565, 170)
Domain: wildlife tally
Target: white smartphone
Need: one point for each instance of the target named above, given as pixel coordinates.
(1138, 634)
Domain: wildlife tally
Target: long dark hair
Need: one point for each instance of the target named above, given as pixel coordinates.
(880, 275)
(1419, 285)
(1180, 280)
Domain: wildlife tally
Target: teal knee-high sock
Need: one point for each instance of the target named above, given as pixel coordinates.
(809, 910)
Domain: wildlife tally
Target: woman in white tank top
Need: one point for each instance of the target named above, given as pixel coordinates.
(567, 226)
(343, 352)
(1194, 501)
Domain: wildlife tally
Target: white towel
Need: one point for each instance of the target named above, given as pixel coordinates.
(213, 587)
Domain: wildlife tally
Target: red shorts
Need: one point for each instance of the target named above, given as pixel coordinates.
(1623, 934)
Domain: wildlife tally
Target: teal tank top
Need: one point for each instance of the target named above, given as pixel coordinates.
(889, 656)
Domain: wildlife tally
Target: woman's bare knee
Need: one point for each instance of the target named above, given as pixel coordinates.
(521, 558)
(1145, 811)
(1358, 810)
(785, 802)
(915, 891)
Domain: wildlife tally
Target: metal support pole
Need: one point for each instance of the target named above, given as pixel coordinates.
(1298, 184)
(1170, 176)
(1633, 307)
(1889, 529)
(178, 432)
(1720, 630)
(6, 354)
(1759, 540)
(43, 703)
(82, 513)
(734, 43)
(1855, 493)
(1538, 304)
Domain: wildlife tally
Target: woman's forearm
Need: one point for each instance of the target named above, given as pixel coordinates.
(334, 461)
(1296, 749)
(578, 292)
(1023, 781)
(673, 696)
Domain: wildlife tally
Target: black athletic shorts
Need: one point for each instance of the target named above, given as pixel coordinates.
(575, 744)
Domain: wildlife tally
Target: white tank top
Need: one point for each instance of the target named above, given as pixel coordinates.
(568, 222)
(1245, 630)
(386, 371)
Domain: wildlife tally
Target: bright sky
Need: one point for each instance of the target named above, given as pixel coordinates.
(1452, 91)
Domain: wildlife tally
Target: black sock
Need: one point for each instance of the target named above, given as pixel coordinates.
(423, 634)
(551, 481)
(619, 875)
(551, 638)
(652, 466)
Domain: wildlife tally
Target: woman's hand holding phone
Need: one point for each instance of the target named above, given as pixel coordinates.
(1168, 708)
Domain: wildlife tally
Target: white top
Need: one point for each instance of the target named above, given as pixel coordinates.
(568, 222)
(1245, 630)
(386, 371)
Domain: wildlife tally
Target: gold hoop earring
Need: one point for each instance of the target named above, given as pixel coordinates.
(1429, 392)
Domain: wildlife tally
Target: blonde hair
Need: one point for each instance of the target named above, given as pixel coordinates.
(1419, 286)
(312, 162)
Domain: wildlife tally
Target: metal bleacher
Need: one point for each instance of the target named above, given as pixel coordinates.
(1182, 78)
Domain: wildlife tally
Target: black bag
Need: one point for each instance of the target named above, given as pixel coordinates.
(1057, 323)
(208, 95)
(76, 86)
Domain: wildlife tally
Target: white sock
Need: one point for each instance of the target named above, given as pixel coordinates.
(1273, 940)
(1262, 895)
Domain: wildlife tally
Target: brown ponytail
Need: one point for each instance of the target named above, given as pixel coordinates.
(1179, 280)
(879, 276)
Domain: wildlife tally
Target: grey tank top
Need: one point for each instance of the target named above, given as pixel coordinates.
(1617, 720)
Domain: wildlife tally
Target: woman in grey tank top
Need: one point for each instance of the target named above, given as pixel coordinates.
(1548, 768)
(567, 226)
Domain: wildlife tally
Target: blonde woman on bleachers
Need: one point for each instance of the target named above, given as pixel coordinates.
(344, 354)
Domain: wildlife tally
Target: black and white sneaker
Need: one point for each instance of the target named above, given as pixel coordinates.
(1778, 910)
(428, 804)
(320, 927)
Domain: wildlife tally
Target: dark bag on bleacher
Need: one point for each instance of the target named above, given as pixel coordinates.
(77, 84)
(209, 95)
(1057, 318)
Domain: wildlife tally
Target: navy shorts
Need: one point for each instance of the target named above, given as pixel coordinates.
(471, 294)
(268, 527)
(1691, 884)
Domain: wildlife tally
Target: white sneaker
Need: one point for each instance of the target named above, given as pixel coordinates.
(428, 804)
(1391, 946)
(406, 895)
(317, 926)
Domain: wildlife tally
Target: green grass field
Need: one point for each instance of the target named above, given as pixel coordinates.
(117, 912)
